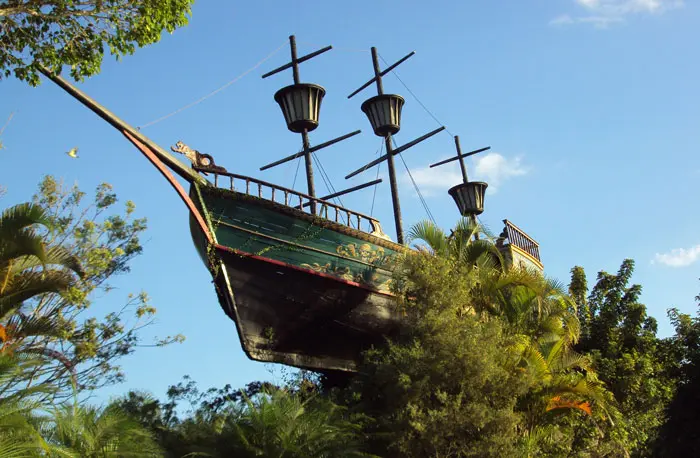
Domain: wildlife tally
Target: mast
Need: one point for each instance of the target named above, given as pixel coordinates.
(301, 105)
(123, 127)
(468, 195)
(384, 113)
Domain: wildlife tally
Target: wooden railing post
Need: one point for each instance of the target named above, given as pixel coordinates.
(304, 200)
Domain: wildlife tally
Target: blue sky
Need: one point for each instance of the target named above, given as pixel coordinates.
(590, 107)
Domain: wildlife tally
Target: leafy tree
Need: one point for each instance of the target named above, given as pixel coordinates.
(81, 349)
(447, 385)
(195, 428)
(485, 365)
(567, 408)
(53, 33)
(680, 435)
(629, 358)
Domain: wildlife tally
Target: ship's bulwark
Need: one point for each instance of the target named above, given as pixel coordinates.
(302, 292)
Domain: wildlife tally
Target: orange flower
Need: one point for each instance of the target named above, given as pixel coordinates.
(557, 403)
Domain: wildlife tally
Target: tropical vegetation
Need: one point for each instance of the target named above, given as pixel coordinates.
(494, 360)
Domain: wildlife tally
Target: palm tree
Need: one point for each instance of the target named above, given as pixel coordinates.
(29, 268)
(18, 436)
(23, 252)
(462, 244)
(73, 430)
(542, 318)
(282, 424)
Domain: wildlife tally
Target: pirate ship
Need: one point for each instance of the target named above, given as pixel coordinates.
(305, 280)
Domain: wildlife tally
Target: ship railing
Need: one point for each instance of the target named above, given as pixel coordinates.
(520, 239)
(297, 200)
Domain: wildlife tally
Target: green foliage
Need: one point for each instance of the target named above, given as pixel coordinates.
(77, 347)
(629, 358)
(493, 360)
(73, 430)
(447, 387)
(18, 436)
(53, 33)
(29, 268)
(464, 244)
(679, 435)
(70, 430)
(260, 421)
(282, 424)
(485, 365)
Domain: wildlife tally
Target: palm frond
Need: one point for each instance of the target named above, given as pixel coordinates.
(47, 324)
(79, 430)
(29, 284)
(17, 446)
(21, 216)
(431, 234)
(20, 244)
(55, 256)
(471, 253)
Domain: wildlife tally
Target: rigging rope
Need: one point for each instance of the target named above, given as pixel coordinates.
(327, 181)
(162, 118)
(415, 185)
(296, 173)
(326, 178)
(374, 194)
(416, 97)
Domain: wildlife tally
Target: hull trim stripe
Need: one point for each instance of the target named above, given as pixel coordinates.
(301, 269)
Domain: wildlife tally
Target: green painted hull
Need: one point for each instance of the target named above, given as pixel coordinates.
(302, 290)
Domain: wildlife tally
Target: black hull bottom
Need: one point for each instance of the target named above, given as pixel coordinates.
(299, 318)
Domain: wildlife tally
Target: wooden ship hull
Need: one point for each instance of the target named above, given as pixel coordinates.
(290, 279)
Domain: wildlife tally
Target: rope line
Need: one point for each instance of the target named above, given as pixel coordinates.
(420, 194)
(328, 183)
(296, 173)
(374, 195)
(416, 97)
(415, 185)
(327, 180)
(7, 122)
(162, 118)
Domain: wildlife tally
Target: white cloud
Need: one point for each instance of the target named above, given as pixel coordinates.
(492, 168)
(678, 257)
(434, 181)
(603, 13)
(622, 7)
(600, 22)
(495, 169)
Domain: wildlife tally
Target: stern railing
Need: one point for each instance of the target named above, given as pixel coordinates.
(520, 239)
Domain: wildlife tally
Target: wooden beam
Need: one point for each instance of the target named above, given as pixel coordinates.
(119, 124)
(311, 150)
(387, 70)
